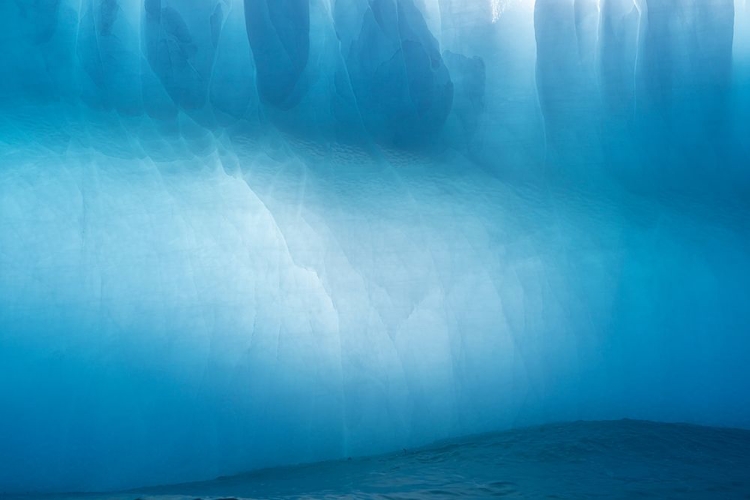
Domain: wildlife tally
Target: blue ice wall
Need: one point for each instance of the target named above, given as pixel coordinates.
(241, 234)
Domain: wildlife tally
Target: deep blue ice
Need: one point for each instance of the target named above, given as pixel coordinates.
(238, 235)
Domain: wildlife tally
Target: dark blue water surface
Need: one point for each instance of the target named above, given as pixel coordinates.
(237, 235)
(580, 460)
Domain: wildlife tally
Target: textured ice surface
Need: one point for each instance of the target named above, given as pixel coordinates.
(236, 235)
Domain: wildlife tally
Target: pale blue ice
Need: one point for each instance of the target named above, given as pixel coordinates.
(237, 235)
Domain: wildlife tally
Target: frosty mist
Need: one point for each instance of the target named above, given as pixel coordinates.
(240, 234)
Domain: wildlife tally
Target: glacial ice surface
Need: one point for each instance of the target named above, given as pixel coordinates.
(244, 234)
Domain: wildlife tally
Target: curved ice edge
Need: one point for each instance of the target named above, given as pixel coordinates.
(617, 458)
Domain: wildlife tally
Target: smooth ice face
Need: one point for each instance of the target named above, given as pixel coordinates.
(242, 234)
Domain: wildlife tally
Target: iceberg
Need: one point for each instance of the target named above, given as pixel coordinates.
(242, 234)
